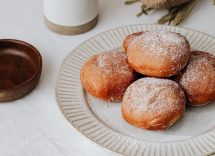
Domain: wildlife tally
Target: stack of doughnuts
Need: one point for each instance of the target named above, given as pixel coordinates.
(171, 77)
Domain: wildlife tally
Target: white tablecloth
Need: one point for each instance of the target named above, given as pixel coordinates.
(33, 125)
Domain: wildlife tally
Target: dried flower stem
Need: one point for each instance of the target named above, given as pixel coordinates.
(128, 2)
(170, 16)
(144, 10)
(183, 12)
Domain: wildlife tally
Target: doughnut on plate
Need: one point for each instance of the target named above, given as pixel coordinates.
(102, 122)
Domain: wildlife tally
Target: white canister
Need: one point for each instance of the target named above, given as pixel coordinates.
(70, 17)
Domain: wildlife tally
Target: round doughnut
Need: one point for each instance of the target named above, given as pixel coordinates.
(107, 75)
(158, 54)
(153, 103)
(129, 38)
(198, 78)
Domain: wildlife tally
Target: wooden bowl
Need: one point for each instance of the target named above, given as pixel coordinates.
(20, 69)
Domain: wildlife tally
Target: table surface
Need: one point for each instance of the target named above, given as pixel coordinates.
(34, 125)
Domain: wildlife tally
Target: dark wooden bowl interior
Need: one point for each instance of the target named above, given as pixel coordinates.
(20, 63)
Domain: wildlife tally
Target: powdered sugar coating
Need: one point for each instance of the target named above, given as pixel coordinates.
(163, 44)
(194, 71)
(158, 54)
(198, 78)
(129, 38)
(113, 62)
(152, 102)
(106, 75)
(151, 95)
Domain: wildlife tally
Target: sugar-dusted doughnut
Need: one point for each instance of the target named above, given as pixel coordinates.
(198, 78)
(107, 75)
(158, 54)
(153, 103)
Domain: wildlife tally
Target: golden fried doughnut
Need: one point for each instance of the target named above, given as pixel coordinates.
(153, 103)
(198, 78)
(107, 75)
(158, 54)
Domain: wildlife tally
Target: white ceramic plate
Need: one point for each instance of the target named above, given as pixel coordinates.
(103, 124)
